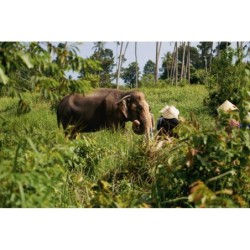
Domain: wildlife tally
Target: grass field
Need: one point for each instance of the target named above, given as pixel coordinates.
(39, 167)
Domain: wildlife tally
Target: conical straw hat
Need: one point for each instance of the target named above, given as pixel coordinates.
(164, 109)
(170, 112)
(227, 106)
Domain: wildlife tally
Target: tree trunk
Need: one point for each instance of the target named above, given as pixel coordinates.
(218, 49)
(136, 72)
(240, 50)
(183, 60)
(173, 65)
(157, 54)
(176, 64)
(211, 57)
(121, 59)
(187, 71)
(124, 52)
(116, 56)
(119, 66)
(123, 55)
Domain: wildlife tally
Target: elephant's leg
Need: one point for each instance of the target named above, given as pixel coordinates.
(65, 128)
(122, 125)
(113, 126)
(73, 132)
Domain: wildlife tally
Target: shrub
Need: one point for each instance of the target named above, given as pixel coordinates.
(204, 169)
(227, 80)
(199, 76)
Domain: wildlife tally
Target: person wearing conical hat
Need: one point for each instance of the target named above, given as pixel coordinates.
(168, 120)
(229, 108)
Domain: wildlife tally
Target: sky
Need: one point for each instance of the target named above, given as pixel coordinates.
(145, 51)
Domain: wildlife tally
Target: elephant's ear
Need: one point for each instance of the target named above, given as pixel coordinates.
(122, 104)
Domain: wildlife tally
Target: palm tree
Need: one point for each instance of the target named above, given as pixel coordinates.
(187, 71)
(240, 50)
(183, 60)
(119, 66)
(172, 72)
(176, 64)
(157, 55)
(211, 57)
(98, 46)
(116, 55)
(136, 73)
(120, 62)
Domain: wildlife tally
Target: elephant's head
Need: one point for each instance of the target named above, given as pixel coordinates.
(136, 109)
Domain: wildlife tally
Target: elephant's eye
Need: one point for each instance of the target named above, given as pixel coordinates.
(139, 108)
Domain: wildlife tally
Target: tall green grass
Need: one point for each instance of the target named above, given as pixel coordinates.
(188, 99)
(39, 167)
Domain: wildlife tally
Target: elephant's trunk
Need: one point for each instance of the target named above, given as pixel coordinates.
(143, 123)
(143, 127)
(137, 128)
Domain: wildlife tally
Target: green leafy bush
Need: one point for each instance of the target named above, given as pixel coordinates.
(214, 158)
(226, 81)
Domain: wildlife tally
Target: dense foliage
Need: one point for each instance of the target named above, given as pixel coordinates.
(42, 67)
(227, 80)
(204, 167)
(129, 74)
(105, 58)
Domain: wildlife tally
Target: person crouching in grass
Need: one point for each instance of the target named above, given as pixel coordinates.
(228, 116)
(168, 120)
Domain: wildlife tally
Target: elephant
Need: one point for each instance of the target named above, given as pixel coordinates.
(105, 109)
